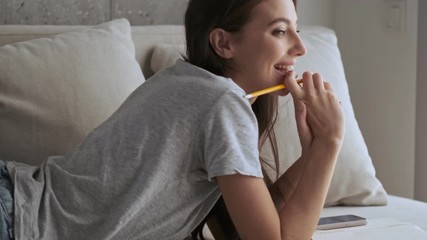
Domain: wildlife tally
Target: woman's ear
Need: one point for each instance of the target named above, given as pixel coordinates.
(221, 42)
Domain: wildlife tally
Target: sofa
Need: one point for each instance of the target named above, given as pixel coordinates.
(57, 83)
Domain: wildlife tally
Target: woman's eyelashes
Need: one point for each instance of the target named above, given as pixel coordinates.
(282, 32)
(279, 32)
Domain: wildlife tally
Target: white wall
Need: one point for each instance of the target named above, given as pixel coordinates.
(380, 66)
(319, 12)
(381, 71)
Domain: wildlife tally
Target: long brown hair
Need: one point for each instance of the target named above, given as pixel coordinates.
(202, 16)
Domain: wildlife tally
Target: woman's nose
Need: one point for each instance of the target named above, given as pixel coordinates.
(298, 49)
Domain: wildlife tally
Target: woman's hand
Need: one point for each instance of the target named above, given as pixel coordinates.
(317, 110)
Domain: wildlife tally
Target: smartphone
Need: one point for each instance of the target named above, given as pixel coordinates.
(342, 221)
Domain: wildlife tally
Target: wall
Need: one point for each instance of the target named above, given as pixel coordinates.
(89, 12)
(421, 120)
(380, 66)
(387, 75)
(139, 12)
(319, 12)
(386, 86)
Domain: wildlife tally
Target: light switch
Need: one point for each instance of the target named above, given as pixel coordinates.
(395, 14)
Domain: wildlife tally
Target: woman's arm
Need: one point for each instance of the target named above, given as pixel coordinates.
(252, 209)
(320, 126)
(282, 189)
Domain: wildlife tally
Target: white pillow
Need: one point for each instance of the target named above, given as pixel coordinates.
(354, 181)
(55, 90)
(165, 55)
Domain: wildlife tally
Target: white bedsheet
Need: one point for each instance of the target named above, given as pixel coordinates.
(402, 209)
(398, 208)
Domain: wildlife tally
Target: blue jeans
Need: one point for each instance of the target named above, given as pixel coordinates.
(6, 204)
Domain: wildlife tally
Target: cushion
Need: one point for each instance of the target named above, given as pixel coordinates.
(55, 90)
(354, 181)
(165, 55)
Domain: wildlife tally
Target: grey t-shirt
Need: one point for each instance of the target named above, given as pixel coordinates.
(149, 171)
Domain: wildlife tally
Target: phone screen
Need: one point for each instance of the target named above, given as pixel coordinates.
(337, 219)
(341, 221)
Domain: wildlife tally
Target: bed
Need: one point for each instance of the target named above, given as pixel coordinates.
(398, 208)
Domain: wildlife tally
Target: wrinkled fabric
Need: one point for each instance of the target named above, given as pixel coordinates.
(149, 171)
(6, 203)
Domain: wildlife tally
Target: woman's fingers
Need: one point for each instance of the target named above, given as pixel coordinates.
(307, 78)
(322, 111)
(313, 81)
(304, 131)
(328, 86)
(318, 81)
(292, 85)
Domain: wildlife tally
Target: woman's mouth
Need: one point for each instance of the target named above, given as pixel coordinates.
(283, 69)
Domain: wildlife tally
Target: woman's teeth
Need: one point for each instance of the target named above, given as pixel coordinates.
(284, 68)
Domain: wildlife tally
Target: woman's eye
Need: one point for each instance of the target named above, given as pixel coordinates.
(280, 32)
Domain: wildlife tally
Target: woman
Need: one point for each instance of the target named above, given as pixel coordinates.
(255, 43)
(158, 165)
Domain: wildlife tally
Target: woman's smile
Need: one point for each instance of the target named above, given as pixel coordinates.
(283, 69)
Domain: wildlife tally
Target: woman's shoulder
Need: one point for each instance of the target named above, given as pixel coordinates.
(190, 80)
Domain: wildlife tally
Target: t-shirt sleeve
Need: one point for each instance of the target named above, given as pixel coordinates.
(230, 138)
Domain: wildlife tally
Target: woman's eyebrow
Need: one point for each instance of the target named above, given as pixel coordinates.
(282, 19)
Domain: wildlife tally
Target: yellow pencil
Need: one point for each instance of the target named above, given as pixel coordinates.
(268, 90)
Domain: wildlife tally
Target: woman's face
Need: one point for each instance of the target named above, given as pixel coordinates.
(266, 47)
